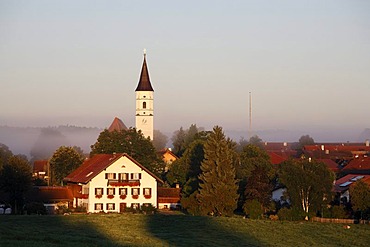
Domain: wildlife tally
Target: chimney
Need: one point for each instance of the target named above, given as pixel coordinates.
(177, 186)
(367, 143)
(322, 147)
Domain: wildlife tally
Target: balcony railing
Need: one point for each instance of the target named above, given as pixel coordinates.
(118, 183)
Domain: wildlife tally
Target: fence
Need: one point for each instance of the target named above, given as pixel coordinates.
(340, 221)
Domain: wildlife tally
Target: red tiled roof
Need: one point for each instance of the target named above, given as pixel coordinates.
(50, 194)
(348, 181)
(40, 166)
(95, 165)
(169, 195)
(277, 146)
(330, 164)
(361, 163)
(276, 158)
(349, 148)
(117, 125)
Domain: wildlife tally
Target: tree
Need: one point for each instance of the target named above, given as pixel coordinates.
(15, 179)
(64, 161)
(182, 139)
(256, 175)
(47, 142)
(5, 154)
(218, 186)
(360, 196)
(308, 182)
(131, 142)
(305, 140)
(159, 140)
(178, 141)
(255, 140)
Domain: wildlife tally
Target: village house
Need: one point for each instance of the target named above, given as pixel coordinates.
(112, 182)
(343, 184)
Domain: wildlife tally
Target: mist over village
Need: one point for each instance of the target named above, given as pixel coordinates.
(160, 124)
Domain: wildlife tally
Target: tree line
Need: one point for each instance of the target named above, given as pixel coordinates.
(218, 176)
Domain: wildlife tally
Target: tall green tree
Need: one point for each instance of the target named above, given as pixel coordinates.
(218, 185)
(182, 139)
(64, 161)
(5, 154)
(15, 180)
(255, 173)
(131, 142)
(309, 184)
(360, 196)
(159, 140)
(305, 140)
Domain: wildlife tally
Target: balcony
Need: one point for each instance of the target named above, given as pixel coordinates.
(122, 183)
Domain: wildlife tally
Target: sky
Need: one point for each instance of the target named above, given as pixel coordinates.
(306, 63)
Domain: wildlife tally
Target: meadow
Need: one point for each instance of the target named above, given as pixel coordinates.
(172, 230)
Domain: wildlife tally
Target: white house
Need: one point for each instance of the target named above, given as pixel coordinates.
(112, 182)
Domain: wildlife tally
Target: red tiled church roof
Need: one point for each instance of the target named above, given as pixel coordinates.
(117, 125)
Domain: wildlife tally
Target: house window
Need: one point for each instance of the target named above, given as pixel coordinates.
(135, 205)
(86, 190)
(135, 176)
(110, 191)
(123, 176)
(144, 105)
(110, 176)
(110, 206)
(135, 191)
(122, 191)
(99, 206)
(147, 191)
(98, 191)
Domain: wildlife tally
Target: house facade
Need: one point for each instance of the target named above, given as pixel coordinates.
(113, 182)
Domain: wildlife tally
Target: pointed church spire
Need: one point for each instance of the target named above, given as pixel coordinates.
(144, 81)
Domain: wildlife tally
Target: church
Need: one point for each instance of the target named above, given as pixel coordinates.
(144, 117)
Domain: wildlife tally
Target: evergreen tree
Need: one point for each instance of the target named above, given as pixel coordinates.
(218, 185)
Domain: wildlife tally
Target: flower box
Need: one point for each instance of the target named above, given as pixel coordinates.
(98, 196)
(135, 196)
(84, 196)
(147, 196)
(110, 196)
(122, 197)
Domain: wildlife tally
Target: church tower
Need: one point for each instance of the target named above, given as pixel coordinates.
(144, 102)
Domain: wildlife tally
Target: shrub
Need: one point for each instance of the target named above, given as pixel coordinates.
(148, 209)
(62, 209)
(253, 209)
(80, 209)
(338, 212)
(291, 214)
(35, 208)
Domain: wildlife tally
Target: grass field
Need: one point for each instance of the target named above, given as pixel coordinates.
(172, 230)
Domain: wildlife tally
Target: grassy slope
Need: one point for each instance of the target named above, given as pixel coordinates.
(173, 230)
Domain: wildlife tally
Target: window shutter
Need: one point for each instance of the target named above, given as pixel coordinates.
(139, 175)
(106, 176)
(96, 190)
(132, 176)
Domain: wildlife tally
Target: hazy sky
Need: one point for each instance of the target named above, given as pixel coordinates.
(307, 63)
